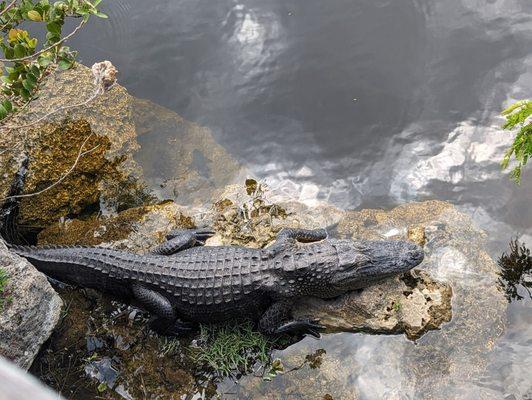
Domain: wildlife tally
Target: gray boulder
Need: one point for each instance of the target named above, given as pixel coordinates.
(30, 311)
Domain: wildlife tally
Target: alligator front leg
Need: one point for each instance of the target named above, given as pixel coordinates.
(181, 239)
(165, 321)
(287, 237)
(278, 319)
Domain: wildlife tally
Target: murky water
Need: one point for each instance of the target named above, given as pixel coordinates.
(362, 103)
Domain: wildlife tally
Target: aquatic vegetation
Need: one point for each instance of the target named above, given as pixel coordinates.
(518, 115)
(516, 271)
(230, 350)
(26, 64)
(3, 295)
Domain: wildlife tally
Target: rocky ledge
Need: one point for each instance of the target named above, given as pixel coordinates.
(412, 304)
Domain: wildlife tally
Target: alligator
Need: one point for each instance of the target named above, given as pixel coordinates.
(182, 283)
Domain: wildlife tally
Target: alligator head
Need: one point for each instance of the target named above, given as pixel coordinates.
(362, 263)
(335, 266)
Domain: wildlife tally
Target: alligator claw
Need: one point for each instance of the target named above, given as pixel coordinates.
(200, 234)
(309, 326)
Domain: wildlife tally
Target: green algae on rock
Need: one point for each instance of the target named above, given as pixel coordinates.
(54, 144)
(109, 176)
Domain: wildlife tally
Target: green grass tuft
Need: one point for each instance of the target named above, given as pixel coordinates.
(3, 281)
(231, 349)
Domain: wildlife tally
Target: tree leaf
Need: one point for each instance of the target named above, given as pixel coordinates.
(101, 15)
(34, 15)
(31, 78)
(44, 61)
(9, 53)
(7, 105)
(65, 64)
(20, 51)
(28, 85)
(35, 70)
(3, 112)
(53, 27)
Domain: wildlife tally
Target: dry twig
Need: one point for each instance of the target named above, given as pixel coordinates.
(8, 7)
(81, 153)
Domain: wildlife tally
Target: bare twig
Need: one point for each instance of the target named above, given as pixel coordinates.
(104, 79)
(63, 108)
(81, 153)
(58, 43)
(8, 7)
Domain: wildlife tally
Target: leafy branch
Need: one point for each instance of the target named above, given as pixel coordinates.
(26, 65)
(518, 115)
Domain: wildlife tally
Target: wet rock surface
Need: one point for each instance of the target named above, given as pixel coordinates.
(126, 140)
(104, 125)
(447, 363)
(30, 309)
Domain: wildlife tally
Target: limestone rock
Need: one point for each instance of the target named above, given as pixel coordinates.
(54, 144)
(131, 143)
(451, 362)
(412, 304)
(180, 159)
(136, 229)
(31, 312)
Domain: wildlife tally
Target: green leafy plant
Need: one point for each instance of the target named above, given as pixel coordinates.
(25, 64)
(231, 349)
(518, 115)
(3, 295)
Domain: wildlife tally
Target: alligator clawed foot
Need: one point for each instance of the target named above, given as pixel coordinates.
(308, 326)
(174, 328)
(200, 234)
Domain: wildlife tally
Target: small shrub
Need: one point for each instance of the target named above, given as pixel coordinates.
(518, 115)
(25, 62)
(516, 271)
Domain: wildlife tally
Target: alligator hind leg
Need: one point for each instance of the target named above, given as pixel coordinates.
(289, 236)
(165, 321)
(178, 240)
(277, 319)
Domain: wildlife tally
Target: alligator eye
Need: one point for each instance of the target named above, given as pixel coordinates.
(358, 261)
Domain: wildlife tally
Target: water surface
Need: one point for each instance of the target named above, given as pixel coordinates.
(367, 103)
